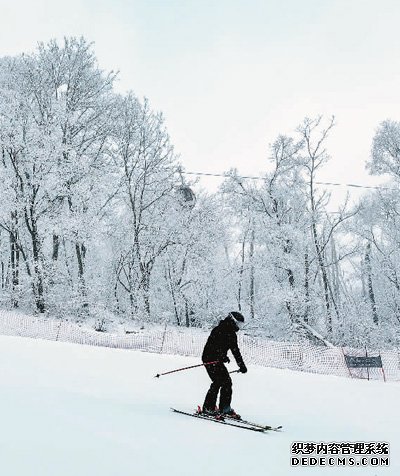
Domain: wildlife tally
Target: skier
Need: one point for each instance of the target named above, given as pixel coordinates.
(222, 338)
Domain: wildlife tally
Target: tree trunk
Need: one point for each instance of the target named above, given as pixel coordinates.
(306, 287)
(252, 283)
(145, 285)
(37, 265)
(80, 250)
(118, 309)
(38, 279)
(56, 246)
(241, 270)
(371, 293)
(188, 314)
(324, 275)
(172, 289)
(3, 276)
(14, 259)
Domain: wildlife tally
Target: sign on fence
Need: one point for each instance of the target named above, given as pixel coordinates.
(364, 362)
(361, 362)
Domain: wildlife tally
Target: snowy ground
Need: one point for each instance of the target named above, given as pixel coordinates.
(73, 410)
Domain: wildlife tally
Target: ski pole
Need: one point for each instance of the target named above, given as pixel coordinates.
(235, 371)
(186, 368)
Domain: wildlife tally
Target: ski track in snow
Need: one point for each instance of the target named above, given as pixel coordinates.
(73, 410)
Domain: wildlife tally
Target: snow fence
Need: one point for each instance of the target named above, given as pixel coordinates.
(190, 342)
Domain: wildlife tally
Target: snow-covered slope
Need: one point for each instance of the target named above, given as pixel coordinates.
(75, 410)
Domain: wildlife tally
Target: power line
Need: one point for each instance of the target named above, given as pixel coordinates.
(252, 177)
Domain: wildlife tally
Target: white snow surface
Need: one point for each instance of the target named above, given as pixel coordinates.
(75, 410)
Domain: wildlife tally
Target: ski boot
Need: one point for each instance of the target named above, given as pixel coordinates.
(209, 413)
(230, 412)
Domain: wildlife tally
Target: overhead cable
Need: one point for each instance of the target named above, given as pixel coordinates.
(252, 177)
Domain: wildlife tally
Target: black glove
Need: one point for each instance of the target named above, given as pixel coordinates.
(243, 369)
(226, 360)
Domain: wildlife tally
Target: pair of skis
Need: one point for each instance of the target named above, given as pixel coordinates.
(231, 421)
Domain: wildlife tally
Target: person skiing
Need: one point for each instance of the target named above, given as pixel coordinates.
(222, 338)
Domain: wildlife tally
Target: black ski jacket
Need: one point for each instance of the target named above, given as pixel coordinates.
(222, 338)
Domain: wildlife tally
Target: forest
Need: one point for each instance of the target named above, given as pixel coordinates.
(100, 223)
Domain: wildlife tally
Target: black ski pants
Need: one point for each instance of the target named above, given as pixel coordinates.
(221, 382)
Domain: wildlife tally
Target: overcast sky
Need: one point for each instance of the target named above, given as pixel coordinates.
(230, 75)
